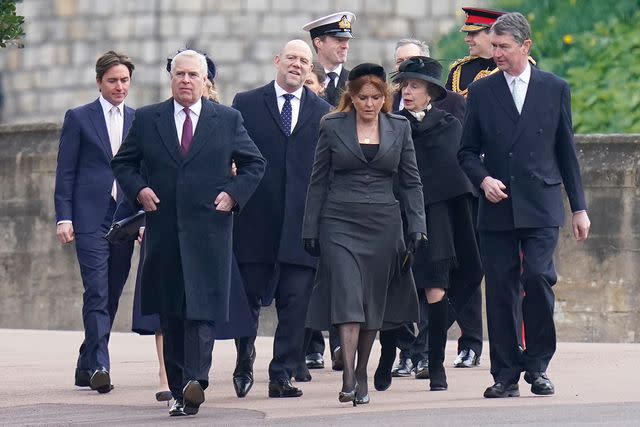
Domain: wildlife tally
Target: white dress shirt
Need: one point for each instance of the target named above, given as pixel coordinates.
(179, 116)
(521, 82)
(295, 103)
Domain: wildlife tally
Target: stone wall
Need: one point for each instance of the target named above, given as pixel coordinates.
(55, 70)
(598, 291)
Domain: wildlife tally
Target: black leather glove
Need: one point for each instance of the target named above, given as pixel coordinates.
(312, 246)
(414, 242)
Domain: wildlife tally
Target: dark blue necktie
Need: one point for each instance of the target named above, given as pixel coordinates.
(285, 114)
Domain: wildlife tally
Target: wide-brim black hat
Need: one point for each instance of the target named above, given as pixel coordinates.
(423, 68)
(367, 69)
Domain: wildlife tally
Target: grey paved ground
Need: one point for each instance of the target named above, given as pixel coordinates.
(597, 384)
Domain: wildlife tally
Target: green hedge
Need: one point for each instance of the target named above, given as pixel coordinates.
(594, 45)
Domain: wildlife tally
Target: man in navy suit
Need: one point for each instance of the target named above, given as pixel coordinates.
(86, 196)
(283, 119)
(520, 120)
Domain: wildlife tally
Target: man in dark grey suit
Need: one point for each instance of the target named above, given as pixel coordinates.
(187, 144)
(282, 118)
(520, 120)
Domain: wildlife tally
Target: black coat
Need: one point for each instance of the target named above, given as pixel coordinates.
(269, 229)
(437, 140)
(532, 153)
(187, 264)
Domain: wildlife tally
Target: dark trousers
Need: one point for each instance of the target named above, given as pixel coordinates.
(469, 319)
(315, 340)
(412, 346)
(293, 290)
(104, 268)
(504, 271)
(187, 347)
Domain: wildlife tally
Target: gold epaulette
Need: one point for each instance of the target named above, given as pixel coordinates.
(455, 77)
(462, 61)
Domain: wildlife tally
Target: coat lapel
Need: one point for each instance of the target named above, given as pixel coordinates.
(96, 116)
(166, 125)
(306, 107)
(504, 97)
(272, 105)
(529, 102)
(348, 135)
(204, 129)
(387, 136)
(128, 119)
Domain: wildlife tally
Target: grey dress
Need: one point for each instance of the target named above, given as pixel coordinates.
(351, 208)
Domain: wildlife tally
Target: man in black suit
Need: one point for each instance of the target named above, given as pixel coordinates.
(282, 118)
(187, 144)
(330, 37)
(86, 196)
(520, 120)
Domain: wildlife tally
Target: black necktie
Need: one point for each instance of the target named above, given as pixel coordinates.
(331, 90)
(285, 114)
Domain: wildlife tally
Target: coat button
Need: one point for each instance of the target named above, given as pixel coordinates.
(510, 154)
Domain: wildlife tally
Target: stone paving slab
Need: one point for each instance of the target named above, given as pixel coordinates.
(595, 383)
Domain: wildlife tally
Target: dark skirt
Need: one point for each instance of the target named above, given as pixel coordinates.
(240, 322)
(358, 278)
(451, 258)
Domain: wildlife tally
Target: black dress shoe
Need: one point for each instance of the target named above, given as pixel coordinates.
(540, 383)
(101, 381)
(302, 373)
(83, 378)
(193, 397)
(336, 361)
(502, 390)
(403, 368)
(438, 378)
(422, 370)
(177, 409)
(314, 361)
(467, 358)
(283, 388)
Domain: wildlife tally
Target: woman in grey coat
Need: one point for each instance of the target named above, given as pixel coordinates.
(353, 223)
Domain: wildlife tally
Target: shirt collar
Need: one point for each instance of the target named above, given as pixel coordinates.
(106, 106)
(195, 108)
(337, 70)
(524, 76)
(279, 91)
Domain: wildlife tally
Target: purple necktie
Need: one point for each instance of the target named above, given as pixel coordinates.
(187, 132)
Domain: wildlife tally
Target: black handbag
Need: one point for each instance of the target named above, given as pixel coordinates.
(126, 229)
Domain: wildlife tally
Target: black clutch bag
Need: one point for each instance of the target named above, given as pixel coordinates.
(126, 229)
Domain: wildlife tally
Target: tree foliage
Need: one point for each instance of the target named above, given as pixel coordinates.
(10, 23)
(594, 45)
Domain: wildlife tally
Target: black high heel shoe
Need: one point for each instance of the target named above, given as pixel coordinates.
(347, 396)
(362, 400)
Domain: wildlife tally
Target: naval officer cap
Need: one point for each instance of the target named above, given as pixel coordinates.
(337, 25)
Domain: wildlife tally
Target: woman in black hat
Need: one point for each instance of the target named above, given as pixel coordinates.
(352, 222)
(449, 265)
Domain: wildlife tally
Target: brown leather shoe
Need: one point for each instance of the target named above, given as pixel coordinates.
(193, 397)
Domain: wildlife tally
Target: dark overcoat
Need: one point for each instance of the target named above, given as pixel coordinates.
(269, 229)
(187, 264)
(532, 153)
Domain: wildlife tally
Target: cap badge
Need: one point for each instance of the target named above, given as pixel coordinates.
(344, 23)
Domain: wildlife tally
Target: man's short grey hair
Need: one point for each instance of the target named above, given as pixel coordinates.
(513, 23)
(191, 54)
(424, 48)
